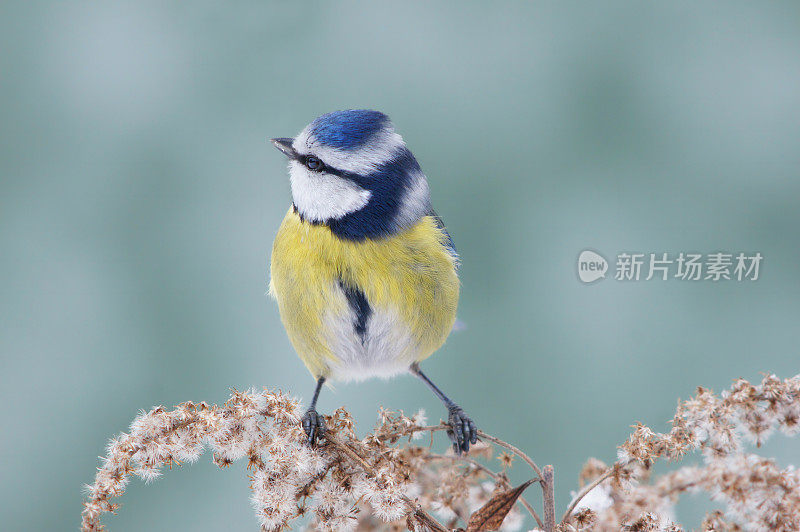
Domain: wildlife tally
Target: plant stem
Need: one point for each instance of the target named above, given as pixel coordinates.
(494, 476)
(514, 450)
(548, 487)
(423, 516)
(586, 489)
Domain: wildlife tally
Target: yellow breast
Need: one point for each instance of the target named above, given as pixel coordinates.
(410, 275)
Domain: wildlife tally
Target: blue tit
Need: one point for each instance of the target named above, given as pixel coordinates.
(363, 270)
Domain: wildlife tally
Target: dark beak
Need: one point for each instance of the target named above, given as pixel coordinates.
(285, 146)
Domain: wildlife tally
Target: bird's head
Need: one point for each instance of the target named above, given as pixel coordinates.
(351, 171)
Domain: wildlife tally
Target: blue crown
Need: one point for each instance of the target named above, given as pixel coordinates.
(348, 129)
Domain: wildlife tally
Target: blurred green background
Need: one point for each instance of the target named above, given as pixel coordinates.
(139, 200)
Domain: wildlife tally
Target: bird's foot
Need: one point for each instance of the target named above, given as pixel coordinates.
(462, 430)
(313, 425)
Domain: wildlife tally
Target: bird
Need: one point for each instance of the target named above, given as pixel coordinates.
(364, 271)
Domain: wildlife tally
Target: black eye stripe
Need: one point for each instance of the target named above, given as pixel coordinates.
(312, 163)
(303, 159)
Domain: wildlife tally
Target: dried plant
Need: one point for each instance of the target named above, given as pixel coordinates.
(388, 480)
(757, 494)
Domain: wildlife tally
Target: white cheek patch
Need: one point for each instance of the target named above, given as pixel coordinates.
(416, 202)
(319, 196)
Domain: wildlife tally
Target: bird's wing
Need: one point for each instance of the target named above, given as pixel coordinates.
(459, 325)
(451, 247)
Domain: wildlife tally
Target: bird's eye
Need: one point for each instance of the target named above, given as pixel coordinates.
(312, 163)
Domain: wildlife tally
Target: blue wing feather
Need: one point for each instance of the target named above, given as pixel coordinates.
(450, 245)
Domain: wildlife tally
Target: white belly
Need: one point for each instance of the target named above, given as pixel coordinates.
(386, 349)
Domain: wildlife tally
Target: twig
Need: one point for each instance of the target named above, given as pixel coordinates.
(494, 476)
(481, 434)
(585, 491)
(428, 521)
(496, 441)
(548, 487)
(423, 516)
(501, 443)
(411, 430)
(514, 450)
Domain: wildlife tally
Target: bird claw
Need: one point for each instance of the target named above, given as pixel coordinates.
(462, 430)
(313, 425)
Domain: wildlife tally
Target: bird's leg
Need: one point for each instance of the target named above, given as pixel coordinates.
(313, 423)
(462, 429)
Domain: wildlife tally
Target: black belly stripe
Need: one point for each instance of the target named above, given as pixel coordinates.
(360, 306)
